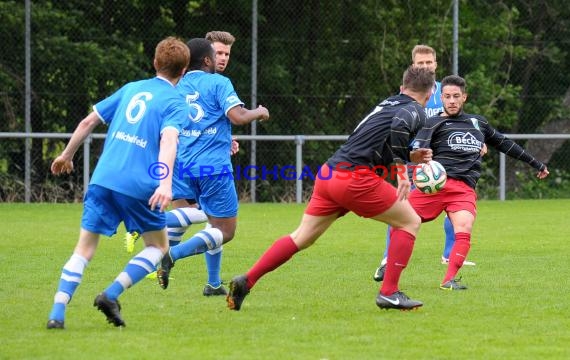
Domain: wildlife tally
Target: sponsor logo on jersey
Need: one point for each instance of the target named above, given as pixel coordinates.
(133, 139)
(197, 133)
(475, 123)
(460, 141)
(387, 102)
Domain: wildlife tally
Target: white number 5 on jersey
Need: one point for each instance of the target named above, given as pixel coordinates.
(196, 110)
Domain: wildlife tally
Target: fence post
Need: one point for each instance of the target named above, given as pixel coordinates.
(253, 156)
(86, 162)
(28, 104)
(455, 57)
(502, 176)
(299, 141)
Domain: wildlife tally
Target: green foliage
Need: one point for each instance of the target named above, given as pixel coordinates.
(319, 305)
(555, 186)
(322, 65)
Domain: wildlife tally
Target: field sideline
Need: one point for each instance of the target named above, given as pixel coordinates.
(318, 306)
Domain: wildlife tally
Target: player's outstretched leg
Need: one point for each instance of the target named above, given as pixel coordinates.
(238, 292)
(207, 239)
(276, 255)
(111, 309)
(136, 269)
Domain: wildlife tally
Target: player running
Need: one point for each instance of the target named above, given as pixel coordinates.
(347, 183)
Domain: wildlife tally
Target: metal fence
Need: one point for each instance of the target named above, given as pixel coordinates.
(292, 180)
(319, 66)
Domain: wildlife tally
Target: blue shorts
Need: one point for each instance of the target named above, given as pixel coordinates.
(216, 194)
(104, 209)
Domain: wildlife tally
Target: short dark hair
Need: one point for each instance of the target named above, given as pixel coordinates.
(200, 49)
(418, 79)
(454, 80)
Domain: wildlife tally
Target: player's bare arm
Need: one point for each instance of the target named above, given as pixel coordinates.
(239, 115)
(163, 194)
(64, 162)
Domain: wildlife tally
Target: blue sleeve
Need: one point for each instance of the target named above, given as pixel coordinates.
(106, 108)
(226, 95)
(176, 115)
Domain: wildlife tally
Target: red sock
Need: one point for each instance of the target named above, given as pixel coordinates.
(399, 253)
(457, 255)
(279, 253)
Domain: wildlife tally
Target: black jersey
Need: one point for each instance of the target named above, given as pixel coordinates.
(383, 136)
(456, 142)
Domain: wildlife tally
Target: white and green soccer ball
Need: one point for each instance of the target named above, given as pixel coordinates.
(430, 177)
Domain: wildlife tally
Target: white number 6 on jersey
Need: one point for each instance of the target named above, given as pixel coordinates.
(137, 107)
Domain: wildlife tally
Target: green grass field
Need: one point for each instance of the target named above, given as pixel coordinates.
(320, 305)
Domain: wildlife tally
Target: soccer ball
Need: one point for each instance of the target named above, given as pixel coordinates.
(429, 177)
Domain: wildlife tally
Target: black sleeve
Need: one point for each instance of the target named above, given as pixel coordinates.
(405, 124)
(424, 136)
(509, 147)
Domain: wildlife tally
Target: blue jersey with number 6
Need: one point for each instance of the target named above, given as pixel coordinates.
(137, 114)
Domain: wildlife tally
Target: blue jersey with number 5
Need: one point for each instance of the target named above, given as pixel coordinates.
(137, 114)
(205, 143)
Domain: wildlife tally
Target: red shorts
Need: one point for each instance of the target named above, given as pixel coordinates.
(364, 193)
(455, 195)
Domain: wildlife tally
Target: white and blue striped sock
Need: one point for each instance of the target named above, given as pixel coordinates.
(179, 220)
(207, 239)
(138, 267)
(69, 280)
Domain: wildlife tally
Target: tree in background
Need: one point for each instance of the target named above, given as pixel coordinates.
(320, 64)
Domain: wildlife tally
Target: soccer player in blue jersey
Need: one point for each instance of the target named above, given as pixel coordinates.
(203, 170)
(132, 182)
(222, 41)
(425, 57)
(185, 212)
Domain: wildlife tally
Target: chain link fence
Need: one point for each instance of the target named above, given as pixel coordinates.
(318, 66)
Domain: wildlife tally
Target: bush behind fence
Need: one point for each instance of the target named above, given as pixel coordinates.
(276, 179)
(319, 66)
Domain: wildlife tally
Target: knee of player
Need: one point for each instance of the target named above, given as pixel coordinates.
(414, 223)
(228, 234)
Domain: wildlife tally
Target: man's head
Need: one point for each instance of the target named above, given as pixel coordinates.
(424, 56)
(418, 83)
(222, 42)
(203, 57)
(453, 94)
(171, 57)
